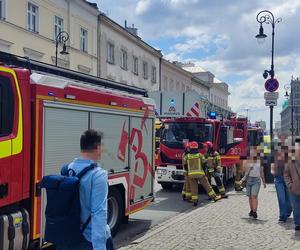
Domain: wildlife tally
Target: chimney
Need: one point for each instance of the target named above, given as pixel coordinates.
(132, 30)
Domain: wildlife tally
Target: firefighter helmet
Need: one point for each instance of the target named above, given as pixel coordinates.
(193, 145)
(208, 144)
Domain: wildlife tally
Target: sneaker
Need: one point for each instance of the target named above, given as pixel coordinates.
(224, 196)
(254, 214)
(281, 220)
(250, 213)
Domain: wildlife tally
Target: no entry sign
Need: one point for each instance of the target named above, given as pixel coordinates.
(271, 85)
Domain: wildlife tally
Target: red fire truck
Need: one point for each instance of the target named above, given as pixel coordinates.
(44, 110)
(229, 138)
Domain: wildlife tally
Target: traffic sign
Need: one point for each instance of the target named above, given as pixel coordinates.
(271, 85)
(271, 102)
(271, 95)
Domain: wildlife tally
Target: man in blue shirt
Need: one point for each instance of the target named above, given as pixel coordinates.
(93, 194)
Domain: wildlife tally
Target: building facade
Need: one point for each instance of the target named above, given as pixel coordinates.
(125, 57)
(174, 78)
(286, 113)
(30, 28)
(215, 90)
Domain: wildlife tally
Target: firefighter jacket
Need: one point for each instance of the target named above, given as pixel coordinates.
(193, 164)
(213, 161)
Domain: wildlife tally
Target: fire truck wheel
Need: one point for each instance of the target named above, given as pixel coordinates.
(115, 209)
(166, 185)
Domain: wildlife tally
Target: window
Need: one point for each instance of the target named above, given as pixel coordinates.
(124, 59)
(145, 70)
(83, 39)
(110, 53)
(2, 9)
(135, 65)
(153, 74)
(58, 27)
(6, 106)
(32, 17)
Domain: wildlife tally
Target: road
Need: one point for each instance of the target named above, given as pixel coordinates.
(167, 204)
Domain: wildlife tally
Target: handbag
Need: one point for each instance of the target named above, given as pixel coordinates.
(244, 179)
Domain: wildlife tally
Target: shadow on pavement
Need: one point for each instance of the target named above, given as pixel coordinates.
(137, 229)
(254, 221)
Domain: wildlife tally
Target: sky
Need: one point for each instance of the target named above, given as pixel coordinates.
(219, 36)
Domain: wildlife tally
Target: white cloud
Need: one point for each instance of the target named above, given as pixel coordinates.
(142, 6)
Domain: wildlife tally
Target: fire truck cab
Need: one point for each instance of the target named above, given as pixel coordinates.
(228, 138)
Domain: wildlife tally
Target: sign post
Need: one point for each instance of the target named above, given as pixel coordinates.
(271, 85)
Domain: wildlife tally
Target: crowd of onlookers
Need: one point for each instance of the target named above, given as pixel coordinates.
(285, 167)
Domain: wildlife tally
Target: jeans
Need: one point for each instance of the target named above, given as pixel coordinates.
(285, 208)
(295, 200)
(86, 245)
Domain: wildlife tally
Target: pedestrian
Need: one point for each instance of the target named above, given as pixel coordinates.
(280, 154)
(214, 168)
(93, 194)
(292, 180)
(253, 175)
(193, 163)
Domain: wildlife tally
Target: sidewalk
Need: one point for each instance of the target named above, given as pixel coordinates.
(224, 225)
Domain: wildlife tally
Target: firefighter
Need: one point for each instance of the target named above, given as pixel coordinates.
(192, 161)
(214, 169)
(186, 191)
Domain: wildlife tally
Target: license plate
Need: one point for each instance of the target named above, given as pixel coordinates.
(179, 173)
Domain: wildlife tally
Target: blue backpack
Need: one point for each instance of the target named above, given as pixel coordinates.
(63, 224)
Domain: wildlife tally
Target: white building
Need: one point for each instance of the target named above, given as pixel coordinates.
(29, 28)
(174, 78)
(125, 57)
(216, 90)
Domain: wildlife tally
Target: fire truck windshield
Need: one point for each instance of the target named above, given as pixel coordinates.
(174, 134)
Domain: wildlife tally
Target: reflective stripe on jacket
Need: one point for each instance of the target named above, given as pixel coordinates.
(213, 161)
(194, 163)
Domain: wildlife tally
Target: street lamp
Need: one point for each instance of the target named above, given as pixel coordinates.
(267, 17)
(62, 37)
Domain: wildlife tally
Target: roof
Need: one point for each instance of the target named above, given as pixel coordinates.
(136, 38)
(194, 69)
(94, 5)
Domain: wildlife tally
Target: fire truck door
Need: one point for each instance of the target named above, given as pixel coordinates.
(6, 129)
(141, 144)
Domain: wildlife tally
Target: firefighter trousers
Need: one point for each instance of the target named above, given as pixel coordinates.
(202, 179)
(186, 190)
(216, 173)
(238, 176)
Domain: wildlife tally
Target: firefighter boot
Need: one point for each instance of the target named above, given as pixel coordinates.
(195, 200)
(237, 186)
(217, 198)
(183, 195)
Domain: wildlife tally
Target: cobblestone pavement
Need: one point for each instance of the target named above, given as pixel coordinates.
(224, 225)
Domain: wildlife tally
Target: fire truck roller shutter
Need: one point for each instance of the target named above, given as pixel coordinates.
(62, 131)
(115, 159)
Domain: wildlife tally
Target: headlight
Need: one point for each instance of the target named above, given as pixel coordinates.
(161, 171)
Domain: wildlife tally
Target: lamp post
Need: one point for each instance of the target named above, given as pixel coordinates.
(62, 37)
(267, 17)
